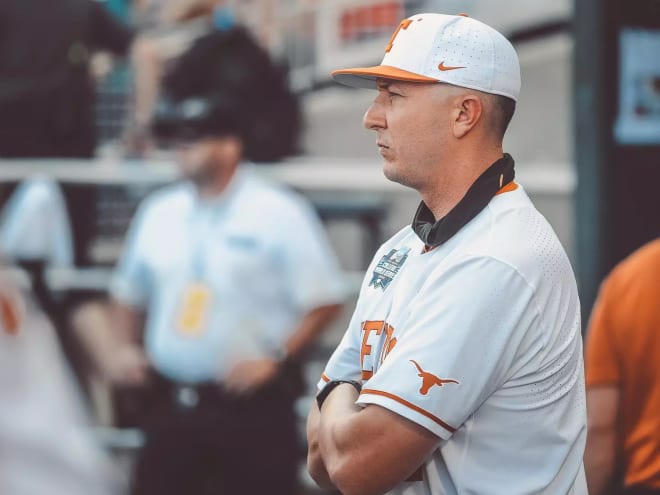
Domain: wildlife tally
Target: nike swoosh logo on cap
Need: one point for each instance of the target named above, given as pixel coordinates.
(444, 67)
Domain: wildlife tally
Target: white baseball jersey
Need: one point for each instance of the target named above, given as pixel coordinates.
(479, 342)
(225, 279)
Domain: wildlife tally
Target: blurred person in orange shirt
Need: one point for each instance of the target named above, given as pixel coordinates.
(623, 379)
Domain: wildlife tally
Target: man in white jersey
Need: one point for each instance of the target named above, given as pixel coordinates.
(231, 278)
(461, 371)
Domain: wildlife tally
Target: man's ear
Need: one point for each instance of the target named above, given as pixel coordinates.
(468, 111)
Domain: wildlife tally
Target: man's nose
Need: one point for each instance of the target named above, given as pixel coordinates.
(374, 117)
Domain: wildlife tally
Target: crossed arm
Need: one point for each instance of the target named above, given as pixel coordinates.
(363, 450)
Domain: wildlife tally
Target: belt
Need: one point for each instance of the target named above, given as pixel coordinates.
(191, 397)
(285, 387)
(185, 396)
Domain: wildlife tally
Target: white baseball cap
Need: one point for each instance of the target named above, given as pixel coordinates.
(453, 49)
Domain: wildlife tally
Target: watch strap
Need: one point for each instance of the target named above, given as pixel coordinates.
(331, 385)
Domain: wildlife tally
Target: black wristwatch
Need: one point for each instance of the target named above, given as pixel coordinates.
(330, 386)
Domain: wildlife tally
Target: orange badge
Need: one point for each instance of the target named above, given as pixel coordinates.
(196, 305)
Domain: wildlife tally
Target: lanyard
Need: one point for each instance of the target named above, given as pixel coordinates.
(203, 228)
(204, 224)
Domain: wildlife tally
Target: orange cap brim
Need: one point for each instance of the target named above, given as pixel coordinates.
(365, 77)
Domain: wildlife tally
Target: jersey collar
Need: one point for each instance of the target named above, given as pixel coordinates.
(434, 233)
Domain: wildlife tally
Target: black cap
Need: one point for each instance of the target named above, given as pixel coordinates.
(226, 84)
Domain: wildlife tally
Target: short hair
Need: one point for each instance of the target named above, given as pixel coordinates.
(503, 109)
(498, 109)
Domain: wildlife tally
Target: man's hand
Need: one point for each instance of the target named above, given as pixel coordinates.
(248, 376)
(347, 437)
(128, 366)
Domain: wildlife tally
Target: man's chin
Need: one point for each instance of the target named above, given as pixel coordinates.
(404, 181)
(391, 174)
(192, 173)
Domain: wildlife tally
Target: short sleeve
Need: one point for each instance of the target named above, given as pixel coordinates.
(344, 364)
(602, 365)
(457, 345)
(132, 280)
(313, 275)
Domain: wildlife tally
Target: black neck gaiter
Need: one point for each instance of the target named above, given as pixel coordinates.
(434, 233)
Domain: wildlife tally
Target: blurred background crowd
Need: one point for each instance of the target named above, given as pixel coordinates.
(80, 84)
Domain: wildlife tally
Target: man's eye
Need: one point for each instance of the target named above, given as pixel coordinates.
(394, 94)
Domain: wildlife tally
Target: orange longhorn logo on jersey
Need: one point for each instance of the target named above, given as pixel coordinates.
(429, 379)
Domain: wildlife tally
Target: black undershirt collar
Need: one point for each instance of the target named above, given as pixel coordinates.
(434, 233)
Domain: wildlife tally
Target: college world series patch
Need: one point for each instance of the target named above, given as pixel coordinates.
(387, 268)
